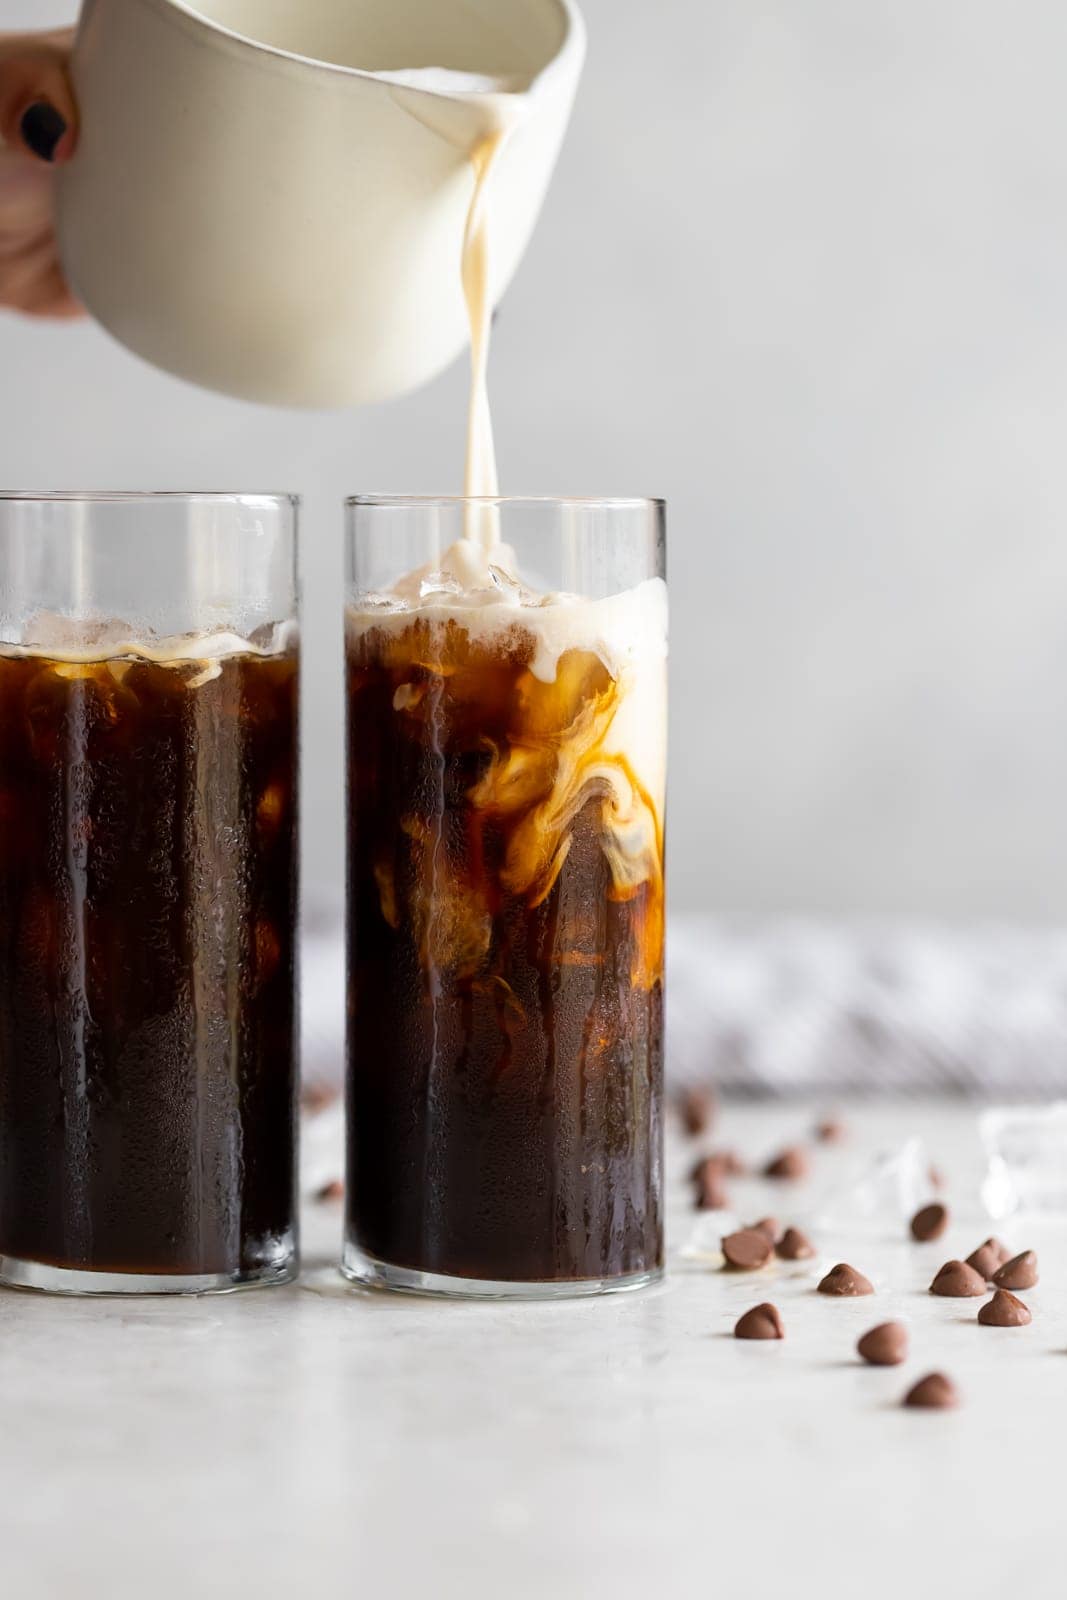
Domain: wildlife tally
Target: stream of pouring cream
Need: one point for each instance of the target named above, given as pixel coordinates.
(477, 115)
(481, 476)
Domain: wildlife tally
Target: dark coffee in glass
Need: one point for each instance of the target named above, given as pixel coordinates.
(505, 959)
(148, 914)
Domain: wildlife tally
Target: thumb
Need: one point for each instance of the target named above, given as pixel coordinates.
(37, 110)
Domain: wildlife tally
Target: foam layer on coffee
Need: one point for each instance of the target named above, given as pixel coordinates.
(77, 641)
(479, 587)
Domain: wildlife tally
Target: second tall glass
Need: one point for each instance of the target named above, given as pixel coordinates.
(507, 764)
(148, 877)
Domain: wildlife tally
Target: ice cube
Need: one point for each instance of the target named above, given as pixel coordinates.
(408, 696)
(271, 808)
(879, 1195)
(509, 587)
(439, 586)
(386, 604)
(704, 1243)
(1027, 1151)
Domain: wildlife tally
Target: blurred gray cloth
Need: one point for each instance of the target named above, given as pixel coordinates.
(801, 1006)
(797, 1005)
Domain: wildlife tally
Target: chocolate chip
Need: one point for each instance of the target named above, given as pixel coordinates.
(316, 1097)
(771, 1227)
(697, 1110)
(935, 1177)
(791, 1164)
(747, 1249)
(988, 1257)
(331, 1192)
(733, 1165)
(956, 1280)
(933, 1393)
(845, 1280)
(1018, 1273)
(726, 1162)
(1004, 1311)
(711, 1191)
(762, 1322)
(795, 1246)
(886, 1345)
(930, 1222)
(832, 1131)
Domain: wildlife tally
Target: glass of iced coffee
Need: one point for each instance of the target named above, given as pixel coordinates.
(507, 677)
(148, 884)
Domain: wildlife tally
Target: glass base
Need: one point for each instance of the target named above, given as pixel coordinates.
(68, 1280)
(373, 1274)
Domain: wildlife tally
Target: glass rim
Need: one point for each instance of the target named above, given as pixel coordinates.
(223, 497)
(400, 502)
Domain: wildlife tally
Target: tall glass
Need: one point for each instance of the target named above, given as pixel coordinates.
(148, 891)
(507, 680)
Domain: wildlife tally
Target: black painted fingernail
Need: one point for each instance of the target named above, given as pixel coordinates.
(42, 127)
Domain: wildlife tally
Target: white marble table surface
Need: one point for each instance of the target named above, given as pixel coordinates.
(315, 1440)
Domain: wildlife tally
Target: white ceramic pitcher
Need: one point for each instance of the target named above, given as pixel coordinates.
(251, 208)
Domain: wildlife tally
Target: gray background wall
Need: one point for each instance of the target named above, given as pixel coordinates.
(803, 271)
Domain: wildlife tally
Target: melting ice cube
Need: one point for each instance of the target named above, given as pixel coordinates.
(387, 603)
(705, 1239)
(879, 1195)
(509, 587)
(1027, 1151)
(439, 586)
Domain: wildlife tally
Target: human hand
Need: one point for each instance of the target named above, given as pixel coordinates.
(38, 130)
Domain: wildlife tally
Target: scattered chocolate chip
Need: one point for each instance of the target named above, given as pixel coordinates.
(956, 1280)
(795, 1246)
(933, 1393)
(1018, 1273)
(935, 1177)
(732, 1164)
(697, 1110)
(832, 1131)
(791, 1164)
(316, 1097)
(331, 1192)
(845, 1280)
(711, 1191)
(930, 1222)
(1004, 1311)
(771, 1227)
(762, 1322)
(988, 1257)
(747, 1249)
(886, 1345)
(725, 1162)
